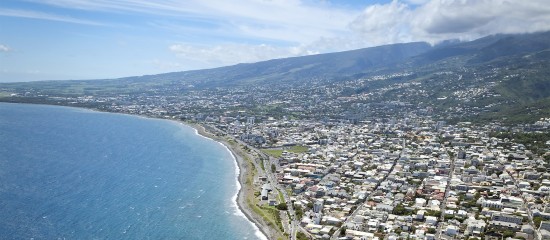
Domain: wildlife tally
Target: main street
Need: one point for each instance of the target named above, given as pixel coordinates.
(443, 205)
(360, 207)
(525, 205)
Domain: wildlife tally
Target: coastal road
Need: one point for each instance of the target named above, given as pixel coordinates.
(272, 178)
(265, 160)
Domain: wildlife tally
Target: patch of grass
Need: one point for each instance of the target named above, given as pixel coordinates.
(274, 152)
(279, 152)
(281, 197)
(5, 94)
(262, 164)
(268, 213)
(298, 149)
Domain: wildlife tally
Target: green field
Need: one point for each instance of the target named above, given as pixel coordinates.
(279, 152)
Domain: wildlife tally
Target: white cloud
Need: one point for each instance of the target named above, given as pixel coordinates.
(196, 56)
(395, 22)
(221, 32)
(416, 2)
(291, 21)
(438, 20)
(383, 24)
(44, 16)
(4, 48)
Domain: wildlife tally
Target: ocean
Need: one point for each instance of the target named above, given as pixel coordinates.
(69, 173)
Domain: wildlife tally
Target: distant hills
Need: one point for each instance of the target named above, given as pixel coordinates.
(288, 70)
(508, 75)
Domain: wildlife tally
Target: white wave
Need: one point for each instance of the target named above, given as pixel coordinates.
(259, 234)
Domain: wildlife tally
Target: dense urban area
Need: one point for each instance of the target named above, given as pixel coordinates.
(398, 171)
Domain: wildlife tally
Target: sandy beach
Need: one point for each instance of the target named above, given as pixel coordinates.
(246, 186)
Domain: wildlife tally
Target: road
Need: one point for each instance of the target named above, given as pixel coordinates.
(267, 160)
(446, 196)
(354, 213)
(529, 213)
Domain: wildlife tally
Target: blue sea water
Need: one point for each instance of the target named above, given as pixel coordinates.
(68, 173)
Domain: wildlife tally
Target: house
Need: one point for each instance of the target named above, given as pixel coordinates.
(431, 220)
(420, 215)
(502, 217)
(420, 202)
(451, 230)
(545, 225)
(266, 188)
(474, 226)
(384, 207)
(492, 204)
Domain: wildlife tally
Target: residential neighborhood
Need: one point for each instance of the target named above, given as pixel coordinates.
(405, 179)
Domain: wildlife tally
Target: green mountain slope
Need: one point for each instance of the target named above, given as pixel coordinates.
(500, 77)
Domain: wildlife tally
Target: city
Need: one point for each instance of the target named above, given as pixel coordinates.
(394, 176)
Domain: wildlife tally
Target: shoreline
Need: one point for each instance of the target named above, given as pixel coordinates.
(241, 180)
(241, 168)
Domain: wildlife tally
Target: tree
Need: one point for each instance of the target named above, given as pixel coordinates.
(273, 168)
(507, 234)
(299, 212)
(401, 210)
(343, 231)
(282, 206)
(301, 236)
(432, 213)
(537, 220)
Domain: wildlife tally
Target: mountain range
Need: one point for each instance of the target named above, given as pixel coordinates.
(508, 76)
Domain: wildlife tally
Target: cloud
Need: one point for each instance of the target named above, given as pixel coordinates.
(383, 24)
(227, 54)
(395, 22)
(220, 32)
(4, 48)
(44, 16)
(289, 21)
(438, 20)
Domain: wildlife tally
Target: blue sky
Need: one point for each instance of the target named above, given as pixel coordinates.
(93, 39)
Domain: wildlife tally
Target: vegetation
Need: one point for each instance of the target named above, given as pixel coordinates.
(299, 212)
(269, 214)
(401, 210)
(507, 234)
(433, 213)
(279, 152)
(301, 236)
(537, 220)
(280, 196)
(282, 206)
(343, 231)
(535, 142)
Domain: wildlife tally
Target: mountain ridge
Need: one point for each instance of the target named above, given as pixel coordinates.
(490, 77)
